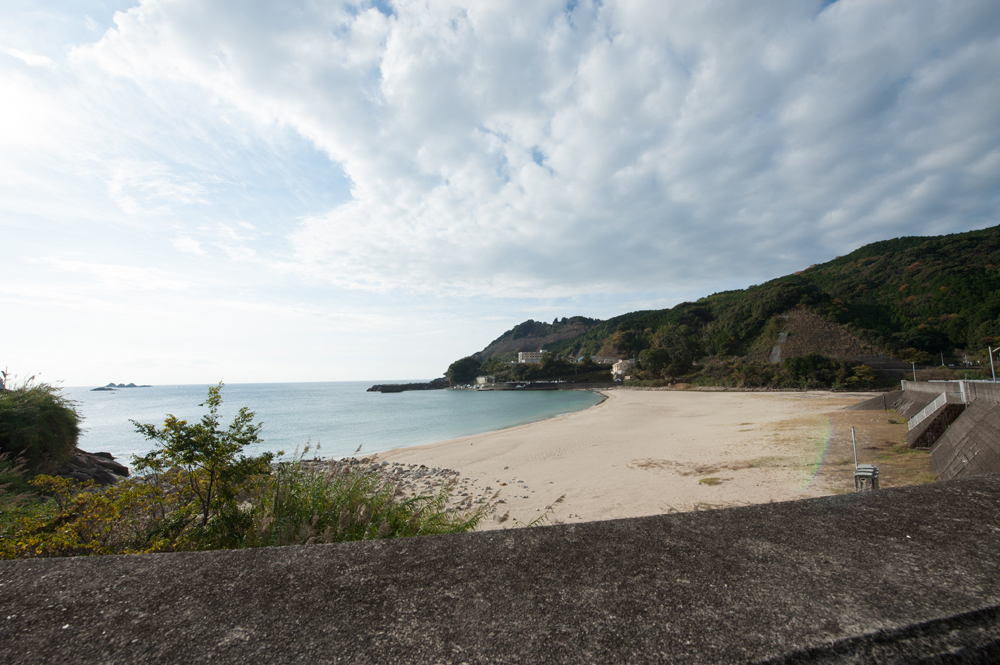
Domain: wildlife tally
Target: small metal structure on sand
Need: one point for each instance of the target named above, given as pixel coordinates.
(865, 475)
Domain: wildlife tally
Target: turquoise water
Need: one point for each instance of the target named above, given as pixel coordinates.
(340, 416)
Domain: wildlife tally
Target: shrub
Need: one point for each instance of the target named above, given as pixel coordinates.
(205, 458)
(200, 493)
(38, 423)
(306, 502)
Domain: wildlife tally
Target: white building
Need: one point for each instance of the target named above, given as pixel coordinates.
(530, 356)
(620, 367)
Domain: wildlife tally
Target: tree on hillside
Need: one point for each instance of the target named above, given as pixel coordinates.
(463, 371)
(915, 356)
(654, 360)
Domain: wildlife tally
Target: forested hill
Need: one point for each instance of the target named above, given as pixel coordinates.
(908, 297)
(533, 335)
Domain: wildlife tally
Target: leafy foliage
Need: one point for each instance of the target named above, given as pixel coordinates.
(208, 458)
(463, 371)
(200, 493)
(811, 371)
(37, 423)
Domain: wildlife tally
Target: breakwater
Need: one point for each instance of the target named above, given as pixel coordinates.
(436, 384)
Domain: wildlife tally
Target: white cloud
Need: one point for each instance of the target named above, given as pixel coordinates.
(150, 187)
(31, 59)
(187, 245)
(507, 147)
(90, 24)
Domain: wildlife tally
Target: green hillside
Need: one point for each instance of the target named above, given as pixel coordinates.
(911, 298)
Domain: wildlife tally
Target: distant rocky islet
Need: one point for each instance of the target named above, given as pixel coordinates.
(116, 386)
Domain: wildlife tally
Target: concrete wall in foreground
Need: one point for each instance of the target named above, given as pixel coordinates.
(897, 575)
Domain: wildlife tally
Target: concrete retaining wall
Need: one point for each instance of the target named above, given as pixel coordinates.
(913, 402)
(898, 575)
(985, 391)
(972, 390)
(927, 433)
(879, 402)
(934, 387)
(971, 445)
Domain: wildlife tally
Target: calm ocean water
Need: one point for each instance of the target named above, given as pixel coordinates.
(340, 416)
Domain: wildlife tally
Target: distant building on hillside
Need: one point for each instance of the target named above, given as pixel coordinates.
(620, 367)
(530, 356)
(484, 380)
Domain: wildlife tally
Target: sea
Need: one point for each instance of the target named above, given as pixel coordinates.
(334, 419)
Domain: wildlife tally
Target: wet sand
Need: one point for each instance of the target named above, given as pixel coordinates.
(648, 452)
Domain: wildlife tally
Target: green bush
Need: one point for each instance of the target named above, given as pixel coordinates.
(37, 423)
(209, 458)
(199, 492)
(307, 502)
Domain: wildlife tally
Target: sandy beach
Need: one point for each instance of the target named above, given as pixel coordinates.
(652, 452)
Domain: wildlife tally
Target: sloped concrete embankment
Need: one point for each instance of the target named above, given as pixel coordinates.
(881, 402)
(907, 403)
(889, 576)
(927, 432)
(963, 434)
(971, 445)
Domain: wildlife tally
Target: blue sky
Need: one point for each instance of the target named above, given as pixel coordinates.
(308, 191)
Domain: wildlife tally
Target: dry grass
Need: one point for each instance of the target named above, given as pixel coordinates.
(687, 469)
(881, 437)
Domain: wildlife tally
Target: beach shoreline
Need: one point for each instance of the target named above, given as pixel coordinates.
(640, 452)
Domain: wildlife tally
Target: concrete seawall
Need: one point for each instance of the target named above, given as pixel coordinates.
(888, 576)
(971, 444)
(964, 434)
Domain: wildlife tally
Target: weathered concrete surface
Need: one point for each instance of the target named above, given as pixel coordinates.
(971, 445)
(911, 403)
(882, 401)
(889, 576)
(926, 434)
(970, 391)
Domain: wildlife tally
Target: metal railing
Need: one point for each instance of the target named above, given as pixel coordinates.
(940, 401)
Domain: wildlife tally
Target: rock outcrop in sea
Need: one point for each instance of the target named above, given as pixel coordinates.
(101, 468)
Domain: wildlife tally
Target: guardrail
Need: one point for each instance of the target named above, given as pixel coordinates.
(940, 401)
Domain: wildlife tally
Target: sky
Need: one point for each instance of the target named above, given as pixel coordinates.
(252, 191)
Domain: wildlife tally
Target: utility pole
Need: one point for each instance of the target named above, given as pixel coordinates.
(914, 366)
(942, 359)
(991, 364)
